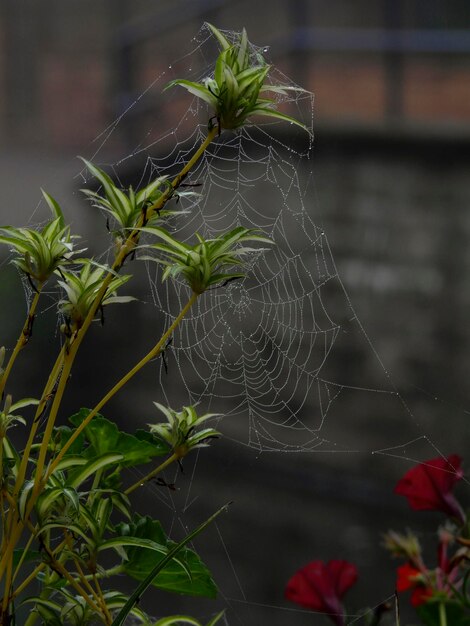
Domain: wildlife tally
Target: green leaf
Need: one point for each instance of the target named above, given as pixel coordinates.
(280, 116)
(77, 477)
(62, 434)
(70, 461)
(136, 542)
(160, 567)
(49, 498)
(173, 577)
(22, 403)
(104, 437)
(48, 610)
(196, 90)
(55, 208)
(223, 41)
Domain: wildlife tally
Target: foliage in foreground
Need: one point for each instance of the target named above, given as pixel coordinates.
(67, 517)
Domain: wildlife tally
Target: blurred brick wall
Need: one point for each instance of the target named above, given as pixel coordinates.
(437, 89)
(74, 92)
(69, 115)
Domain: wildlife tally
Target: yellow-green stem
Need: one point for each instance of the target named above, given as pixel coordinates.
(9, 564)
(22, 339)
(29, 579)
(2, 508)
(154, 352)
(17, 529)
(53, 376)
(12, 531)
(8, 582)
(32, 577)
(189, 165)
(152, 474)
(86, 584)
(64, 377)
(102, 601)
(23, 556)
(442, 614)
(57, 566)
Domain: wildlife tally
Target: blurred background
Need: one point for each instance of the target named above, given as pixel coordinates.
(391, 188)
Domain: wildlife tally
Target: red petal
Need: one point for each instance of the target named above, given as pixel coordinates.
(321, 586)
(344, 574)
(421, 595)
(406, 577)
(428, 486)
(302, 587)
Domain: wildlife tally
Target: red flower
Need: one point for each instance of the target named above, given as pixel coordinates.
(408, 577)
(428, 486)
(320, 586)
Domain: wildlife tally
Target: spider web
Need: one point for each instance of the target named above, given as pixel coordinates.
(253, 350)
(258, 350)
(256, 347)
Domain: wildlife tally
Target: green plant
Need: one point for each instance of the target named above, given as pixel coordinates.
(65, 497)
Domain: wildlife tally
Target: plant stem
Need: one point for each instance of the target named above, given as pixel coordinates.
(154, 352)
(45, 593)
(22, 339)
(9, 563)
(13, 531)
(152, 474)
(23, 556)
(8, 583)
(189, 165)
(29, 579)
(60, 569)
(64, 376)
(99, 592)
(53, 376)
(442, 614)
(17, 528)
